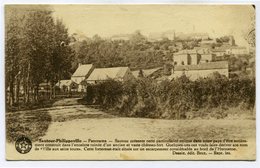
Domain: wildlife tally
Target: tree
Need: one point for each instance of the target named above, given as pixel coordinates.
(13, 52)
(36, 50)
(40, 43)
(60, 59)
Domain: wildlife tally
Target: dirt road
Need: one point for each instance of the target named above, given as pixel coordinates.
(67, 119)
(78, 121)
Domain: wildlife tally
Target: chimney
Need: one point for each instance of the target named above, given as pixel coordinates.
(79, 64)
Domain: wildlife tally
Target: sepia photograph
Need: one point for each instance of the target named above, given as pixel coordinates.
(130, 82)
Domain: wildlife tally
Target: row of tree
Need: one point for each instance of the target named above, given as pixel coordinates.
(36, 49)
(136, 53)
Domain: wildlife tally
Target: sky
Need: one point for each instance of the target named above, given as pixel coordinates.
(108, 20)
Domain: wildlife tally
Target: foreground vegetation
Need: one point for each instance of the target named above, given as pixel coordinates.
(211, 97)
(32, 124)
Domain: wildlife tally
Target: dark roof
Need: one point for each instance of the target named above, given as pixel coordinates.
(203, 66)
(146, 72)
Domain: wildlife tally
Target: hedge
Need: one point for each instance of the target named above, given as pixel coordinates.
(175, 99)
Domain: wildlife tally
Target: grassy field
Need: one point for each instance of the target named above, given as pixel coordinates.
(33, 124)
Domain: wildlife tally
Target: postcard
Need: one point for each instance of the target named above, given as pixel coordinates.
(130, 82)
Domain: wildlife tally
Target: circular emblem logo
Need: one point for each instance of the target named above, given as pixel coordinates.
(23, 145)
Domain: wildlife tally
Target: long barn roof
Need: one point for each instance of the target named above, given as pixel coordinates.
(107, 73)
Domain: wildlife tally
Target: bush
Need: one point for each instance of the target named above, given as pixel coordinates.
(107, 93)
(177, 99)
(129, 98)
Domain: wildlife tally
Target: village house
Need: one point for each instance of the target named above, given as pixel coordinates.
(115, 73)
(207, 57)
(182, 57)
(82, 73)
(201, 70)
(199, 62)
(195, 57)
(67, 86)
(186, 57)
(219, 53)
(236, 50)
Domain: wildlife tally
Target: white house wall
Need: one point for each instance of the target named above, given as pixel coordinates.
(181, 58)
(77, 79)
(206, 57)
(195, 74)
(194, 59)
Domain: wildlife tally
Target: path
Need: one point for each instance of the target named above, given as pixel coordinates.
(70, 120)
(79, 121)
